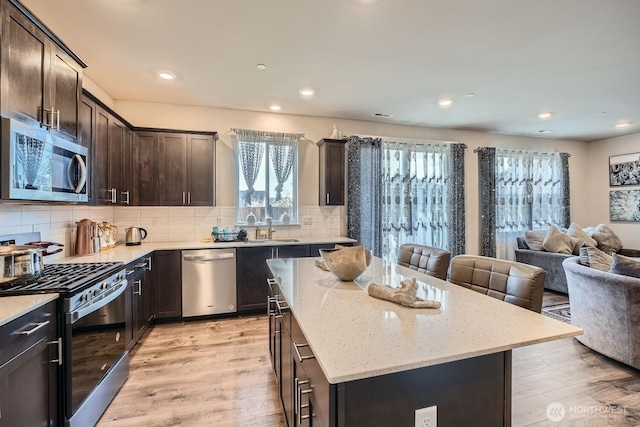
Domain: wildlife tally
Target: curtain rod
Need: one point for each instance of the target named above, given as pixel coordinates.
(475, 150)
(236, 130)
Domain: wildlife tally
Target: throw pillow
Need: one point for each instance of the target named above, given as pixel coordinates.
(595, 258)
(559, 242)
(625, 266)
(607, 240)
(534, 240)
(576, 231)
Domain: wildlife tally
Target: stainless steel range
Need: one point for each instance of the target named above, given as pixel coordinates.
(92, 319)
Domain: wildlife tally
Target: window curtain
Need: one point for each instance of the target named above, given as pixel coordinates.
(283, 153)
(364, 167)
(405, 192)
(251, 147)
(422, 196)
(520, 190)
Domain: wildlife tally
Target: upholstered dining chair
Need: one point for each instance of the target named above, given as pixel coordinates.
(425, 259)
(511, 281)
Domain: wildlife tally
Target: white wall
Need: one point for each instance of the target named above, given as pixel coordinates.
(597, 185)
(587, 165)
(315, 128)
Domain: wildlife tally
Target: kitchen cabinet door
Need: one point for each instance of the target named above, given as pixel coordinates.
(332, 172)
(127, 166)
(66, 93)
(25, 63)
(142, 297)
(173, 169)
(251, 278)
(29, 370)
(86, 133)
(200, 169)
(115, 164)
(167, 284)
(145, 158)
(293, 251)
(100, 160)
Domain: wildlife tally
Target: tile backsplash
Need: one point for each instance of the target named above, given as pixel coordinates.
(163, 224)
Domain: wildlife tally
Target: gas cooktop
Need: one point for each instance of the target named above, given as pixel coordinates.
(65, 278)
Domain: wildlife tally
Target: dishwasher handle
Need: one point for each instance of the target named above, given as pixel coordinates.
(208, 258)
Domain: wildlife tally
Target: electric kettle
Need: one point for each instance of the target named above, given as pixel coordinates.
(135, 235)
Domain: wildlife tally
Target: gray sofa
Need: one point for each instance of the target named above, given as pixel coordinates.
(607, 307)
(550, 262)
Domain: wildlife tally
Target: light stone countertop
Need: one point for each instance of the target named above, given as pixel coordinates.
(127, 254)
(355, 336)
(15, 306)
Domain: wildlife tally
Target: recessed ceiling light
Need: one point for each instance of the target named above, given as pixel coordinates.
(261, 67)
(602, 113)
(383, 115)
(307, 92)
(545, 115)
(166, 75)
(275, 107)
(445, 102)
(470, 95)
(545, 131)
(620, 125)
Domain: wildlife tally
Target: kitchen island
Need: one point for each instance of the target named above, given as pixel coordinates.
(358, 361)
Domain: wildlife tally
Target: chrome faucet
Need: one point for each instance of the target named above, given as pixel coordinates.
(270, 229)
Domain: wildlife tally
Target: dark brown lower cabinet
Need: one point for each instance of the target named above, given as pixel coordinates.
(140, 284)
(29, 369)
(251, 276)
(167, 284)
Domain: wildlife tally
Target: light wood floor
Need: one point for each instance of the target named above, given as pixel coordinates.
(217, 373)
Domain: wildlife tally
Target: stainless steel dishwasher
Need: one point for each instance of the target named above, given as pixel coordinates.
(208, 282)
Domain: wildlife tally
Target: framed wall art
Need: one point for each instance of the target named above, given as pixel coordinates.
(624, 170)
(624, 205)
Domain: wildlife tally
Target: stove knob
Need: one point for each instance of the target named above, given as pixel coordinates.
(96, 292)
(104, 286)
(84, 297)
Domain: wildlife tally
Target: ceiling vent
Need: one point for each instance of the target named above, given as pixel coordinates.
(383, 115)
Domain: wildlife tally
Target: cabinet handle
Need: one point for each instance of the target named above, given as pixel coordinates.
(298, 398)
(139, 291)
(327, 198)
(58, 342)
(189, 198)
(32, 330)
(302, 358)
(129, 273)
(269, 301)
(114, 198)
(148, 263)
(280, 308)
(57, 120)
(125, 201)
(184, 198)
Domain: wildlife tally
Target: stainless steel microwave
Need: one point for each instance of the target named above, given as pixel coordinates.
(36, 165)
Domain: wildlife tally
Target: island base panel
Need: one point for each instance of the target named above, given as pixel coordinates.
(473, 392)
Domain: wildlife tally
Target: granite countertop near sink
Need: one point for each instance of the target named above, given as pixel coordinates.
(127, 254)
(15, 306)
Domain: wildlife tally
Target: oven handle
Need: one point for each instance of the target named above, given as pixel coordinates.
(97, 303)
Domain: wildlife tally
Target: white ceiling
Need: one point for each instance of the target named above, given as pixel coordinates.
(576, 58)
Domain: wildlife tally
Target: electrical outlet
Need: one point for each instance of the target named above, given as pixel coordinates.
(427, 417)
(155, 221)
(219, 220)
(307, 220)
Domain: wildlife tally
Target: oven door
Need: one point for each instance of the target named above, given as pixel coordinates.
(95, 350)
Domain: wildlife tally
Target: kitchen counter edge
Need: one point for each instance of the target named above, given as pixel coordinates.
(12, 307)
(127, 254)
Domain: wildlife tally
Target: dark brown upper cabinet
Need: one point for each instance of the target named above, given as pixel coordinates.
(186, 170)
(332, 171)
(145, 158)
(41, 83)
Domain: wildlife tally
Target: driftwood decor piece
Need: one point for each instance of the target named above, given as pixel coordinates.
(405, 295)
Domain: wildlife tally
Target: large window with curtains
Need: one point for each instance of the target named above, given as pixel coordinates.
(406, 192)
(530, 192)
(267, 176)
